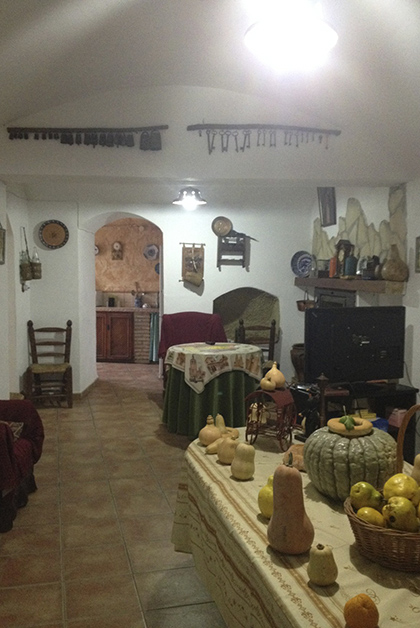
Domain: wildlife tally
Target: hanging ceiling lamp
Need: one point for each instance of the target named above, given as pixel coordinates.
(291, 36)
(189, 198)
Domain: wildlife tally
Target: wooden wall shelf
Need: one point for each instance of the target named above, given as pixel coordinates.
(352, 285)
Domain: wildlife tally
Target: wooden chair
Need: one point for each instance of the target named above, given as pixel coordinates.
(49, 377)
(263, 336)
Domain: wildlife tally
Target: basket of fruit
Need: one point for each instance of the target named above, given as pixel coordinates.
(386, 524)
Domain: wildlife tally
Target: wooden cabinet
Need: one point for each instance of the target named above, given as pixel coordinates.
(114, 337)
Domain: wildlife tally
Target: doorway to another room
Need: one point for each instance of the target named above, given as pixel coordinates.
(128, 291)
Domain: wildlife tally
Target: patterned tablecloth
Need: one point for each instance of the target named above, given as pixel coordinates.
(202, 362)
(217, 519)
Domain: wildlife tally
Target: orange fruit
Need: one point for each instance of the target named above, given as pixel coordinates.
(361, 612)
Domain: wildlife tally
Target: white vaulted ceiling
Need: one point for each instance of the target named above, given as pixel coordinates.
(54, 52)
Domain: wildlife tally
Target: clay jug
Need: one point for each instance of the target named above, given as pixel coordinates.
(297, 354)
(394, 268)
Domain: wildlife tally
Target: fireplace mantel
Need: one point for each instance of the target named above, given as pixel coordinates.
(375, 286)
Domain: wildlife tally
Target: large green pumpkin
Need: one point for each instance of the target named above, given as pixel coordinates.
(334, 462)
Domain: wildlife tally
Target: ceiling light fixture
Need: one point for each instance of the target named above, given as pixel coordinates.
(190, 198)
(291, 36)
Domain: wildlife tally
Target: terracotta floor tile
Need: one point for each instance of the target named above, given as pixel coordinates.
(147, 528)
(139, 468)
(134, 619)
(94, 562)
(142, 502)
(147, 556)
(83, 472)
(100, 523)
(194, 616)
(42, 603)
(105, 597)
(88, 534)
(36, 539)
(79, 491)
(88, 511)
(26, 569)
(34, 514)
(174, 587)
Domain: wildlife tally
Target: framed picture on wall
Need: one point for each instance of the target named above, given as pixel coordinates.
(2, 244)
(417, 255)
(327, 206)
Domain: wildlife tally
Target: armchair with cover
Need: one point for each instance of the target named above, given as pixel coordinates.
(21, 441)
(185, 327)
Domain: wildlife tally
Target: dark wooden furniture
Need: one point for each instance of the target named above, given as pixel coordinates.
(263, 336)
(114, 337)
(49, 377)
(380, 397)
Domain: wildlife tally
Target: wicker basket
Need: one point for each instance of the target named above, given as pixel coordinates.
(390, 548)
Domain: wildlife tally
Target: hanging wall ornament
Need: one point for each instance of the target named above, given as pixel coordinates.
(155, 140)
(145, 141)
(293, 135)
(192, 263)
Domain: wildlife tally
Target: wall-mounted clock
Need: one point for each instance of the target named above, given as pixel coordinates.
(53, 234)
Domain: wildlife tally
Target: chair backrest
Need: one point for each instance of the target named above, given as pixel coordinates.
(263, 336)
(53, 343)
(184, 327)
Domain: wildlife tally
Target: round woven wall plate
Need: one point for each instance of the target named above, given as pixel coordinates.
(221, 226)
(53, 234)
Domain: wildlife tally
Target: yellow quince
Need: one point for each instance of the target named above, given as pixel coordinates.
(265, 498)
(402, 485)
(364, 494)
(400, 514)
(371, 515)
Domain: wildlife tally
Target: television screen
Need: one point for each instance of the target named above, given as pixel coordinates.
(354, 344)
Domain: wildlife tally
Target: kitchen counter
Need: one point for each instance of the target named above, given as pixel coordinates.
(137, 310)
(138, 334)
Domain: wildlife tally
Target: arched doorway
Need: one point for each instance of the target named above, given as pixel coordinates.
(128, 290)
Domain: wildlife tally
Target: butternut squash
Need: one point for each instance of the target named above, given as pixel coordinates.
(219, 422)
(226, 450)
(243, 464)
(209, 432)
(290, 530)
(322, 568)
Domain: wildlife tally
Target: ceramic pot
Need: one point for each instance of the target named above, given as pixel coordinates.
(394, 268)
(297, 355)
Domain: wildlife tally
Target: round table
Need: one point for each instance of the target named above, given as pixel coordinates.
(208, 379)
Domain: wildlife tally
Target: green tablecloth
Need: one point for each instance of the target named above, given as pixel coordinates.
(185, 411)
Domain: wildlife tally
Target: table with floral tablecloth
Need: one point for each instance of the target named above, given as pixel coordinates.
(208, 379)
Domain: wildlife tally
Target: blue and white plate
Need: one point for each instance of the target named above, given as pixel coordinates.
(301, 263)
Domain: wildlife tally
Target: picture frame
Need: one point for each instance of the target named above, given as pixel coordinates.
(417, 255)
(2, 245)
(327, 206)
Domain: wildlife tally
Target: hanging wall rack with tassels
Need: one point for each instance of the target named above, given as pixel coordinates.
(150, 136)
(239, 135)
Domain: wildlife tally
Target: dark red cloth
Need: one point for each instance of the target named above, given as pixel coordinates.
(184, 327)
(17, 458)
(8, 467)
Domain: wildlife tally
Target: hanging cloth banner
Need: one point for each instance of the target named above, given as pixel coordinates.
(192, 263)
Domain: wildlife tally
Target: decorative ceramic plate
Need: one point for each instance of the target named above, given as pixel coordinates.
(221, 226)
(53, 234)
(151, 252)
(301, 263)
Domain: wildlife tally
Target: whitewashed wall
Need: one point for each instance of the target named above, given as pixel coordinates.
(258, 189)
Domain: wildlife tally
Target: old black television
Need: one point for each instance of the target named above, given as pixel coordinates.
(354, 344)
